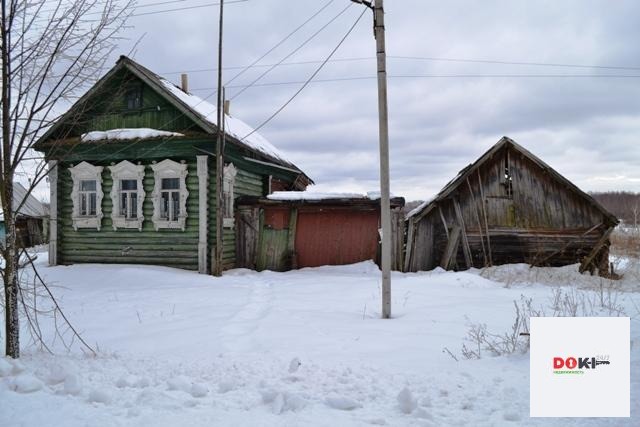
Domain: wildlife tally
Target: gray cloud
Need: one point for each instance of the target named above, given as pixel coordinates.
(586, 128)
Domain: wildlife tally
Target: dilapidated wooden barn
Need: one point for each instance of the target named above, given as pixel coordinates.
(289, 230)
(508, 207)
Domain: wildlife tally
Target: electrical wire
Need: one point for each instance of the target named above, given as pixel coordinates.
(306, 83)
(433, 76)
(180, 9)
(298, 28)
(294, 51)
(422, 58)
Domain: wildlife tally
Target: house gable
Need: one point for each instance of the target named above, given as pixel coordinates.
(161, 106)
(111, 105)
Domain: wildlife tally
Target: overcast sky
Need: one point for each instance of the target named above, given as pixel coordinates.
(585, 127)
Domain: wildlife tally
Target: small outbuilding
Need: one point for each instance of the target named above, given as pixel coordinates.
(509, 207)
(296, 229)
(31, 214)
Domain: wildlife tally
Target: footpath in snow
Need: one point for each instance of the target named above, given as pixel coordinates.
(306, 347)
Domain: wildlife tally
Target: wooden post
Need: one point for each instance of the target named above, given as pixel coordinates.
(484, 213)
(203, 203)
(53, 212)
(291, 238)
(451, 250)
(217, 270)
(444, 222)
(475, 205)
(410, 243)
(589, 258)
(466, 250)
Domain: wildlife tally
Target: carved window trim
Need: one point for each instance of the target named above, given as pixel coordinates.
(169, 169)
(228, 196)
(121, 171)
(84, 171)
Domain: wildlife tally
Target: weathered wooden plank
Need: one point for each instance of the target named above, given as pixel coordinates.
(466, 251)
(475, 205)
(444, 221)
(486, 222)
(452, 248)
(598, 246)
(409, 245)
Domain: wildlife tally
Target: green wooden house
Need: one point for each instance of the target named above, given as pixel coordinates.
(132, 174)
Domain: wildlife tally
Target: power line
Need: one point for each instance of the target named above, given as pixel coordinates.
(315, 73)
(432, 76)
(423, 58)
(254, 63)
(239, 67)
(179, 9)
(536, 64)
(294, 51)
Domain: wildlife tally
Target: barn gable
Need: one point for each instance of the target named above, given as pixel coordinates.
(508, 206)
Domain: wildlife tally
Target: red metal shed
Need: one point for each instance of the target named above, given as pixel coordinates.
(295, 231)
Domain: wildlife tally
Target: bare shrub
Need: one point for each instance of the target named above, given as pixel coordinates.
(564, 302)
(480, 340)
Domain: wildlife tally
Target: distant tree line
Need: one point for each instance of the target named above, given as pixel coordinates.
(623, 204)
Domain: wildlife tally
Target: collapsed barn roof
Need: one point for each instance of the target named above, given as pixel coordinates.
(469, 170)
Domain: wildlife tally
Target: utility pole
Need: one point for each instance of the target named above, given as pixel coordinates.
(383, 131)
(217, 268)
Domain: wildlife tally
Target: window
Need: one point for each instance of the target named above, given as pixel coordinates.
(229, 178)
(508, 178)
(129, 198)
(127, 195)
(133, 97)
(86, 196)
(170, 195)
(170, 199)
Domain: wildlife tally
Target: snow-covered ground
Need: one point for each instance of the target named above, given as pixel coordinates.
(286, 349)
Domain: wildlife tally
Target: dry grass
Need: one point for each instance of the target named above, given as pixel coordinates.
(625, 242)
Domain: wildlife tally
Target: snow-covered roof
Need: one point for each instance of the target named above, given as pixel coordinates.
(420, 207)
(31, 206)
(312, 195)
(203, 113)
(125, 134)
(318, 195)
(232, 126)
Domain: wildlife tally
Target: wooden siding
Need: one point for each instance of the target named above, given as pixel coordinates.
(108, 110)
(285, 235)
(174, 248)
(246, 184)
(532, 217)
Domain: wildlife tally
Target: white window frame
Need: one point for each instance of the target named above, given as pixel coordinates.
(169, 169)
(129, 171)
(84, 171)
(228, 184)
